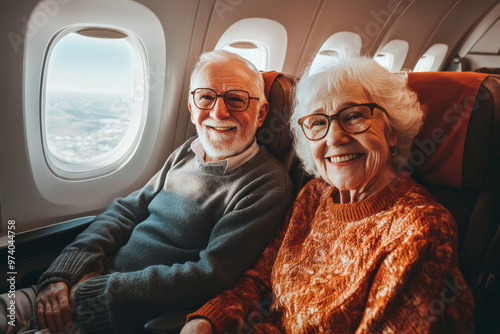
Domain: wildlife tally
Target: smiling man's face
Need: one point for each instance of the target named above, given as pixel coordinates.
(223, 132)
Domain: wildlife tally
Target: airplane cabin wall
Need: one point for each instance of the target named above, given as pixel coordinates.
(14, 161)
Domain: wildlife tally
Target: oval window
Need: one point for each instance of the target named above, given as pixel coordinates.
(93, 101)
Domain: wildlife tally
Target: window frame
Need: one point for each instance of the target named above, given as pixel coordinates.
(70, 196)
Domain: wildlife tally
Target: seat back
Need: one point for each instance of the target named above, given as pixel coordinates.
(456, 156)
(274, 133)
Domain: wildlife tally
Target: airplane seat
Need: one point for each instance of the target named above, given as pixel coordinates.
(275, 135)
(456, 155)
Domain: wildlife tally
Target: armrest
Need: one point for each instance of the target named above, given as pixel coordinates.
(170, 323)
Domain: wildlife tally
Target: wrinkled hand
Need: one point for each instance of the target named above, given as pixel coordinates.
(55, 306)
(197, 326)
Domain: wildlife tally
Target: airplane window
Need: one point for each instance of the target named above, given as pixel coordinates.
(261, 41)
(385, 59)
(432, 59)
(255, 52)
(392, 56)
(343, 41)
(424, 64)
(322, 59)
(94, 102)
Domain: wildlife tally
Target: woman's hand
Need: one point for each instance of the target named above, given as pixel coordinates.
(197, 326)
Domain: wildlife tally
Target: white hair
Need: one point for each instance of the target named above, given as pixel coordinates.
(223, 56)
(353, 75)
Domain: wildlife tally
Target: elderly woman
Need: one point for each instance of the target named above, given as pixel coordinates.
(364, 249)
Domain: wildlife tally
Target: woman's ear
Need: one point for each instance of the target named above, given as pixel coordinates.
(392, 140)
(391, 135)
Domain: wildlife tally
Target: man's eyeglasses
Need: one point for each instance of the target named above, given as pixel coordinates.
(235, 100)
(353, 119)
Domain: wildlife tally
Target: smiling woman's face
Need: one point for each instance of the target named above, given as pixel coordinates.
(359, 163)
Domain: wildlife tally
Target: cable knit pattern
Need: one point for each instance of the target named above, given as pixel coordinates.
(387, 264)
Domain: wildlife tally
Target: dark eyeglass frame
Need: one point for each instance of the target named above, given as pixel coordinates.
(224, 98)
(336, 116)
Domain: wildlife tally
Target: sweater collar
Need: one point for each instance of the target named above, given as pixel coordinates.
(226, 165)
(373, 204)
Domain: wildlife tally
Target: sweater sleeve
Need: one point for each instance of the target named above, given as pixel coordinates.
(418, 287)
(247, 305)
(105, 235)
(124, 301)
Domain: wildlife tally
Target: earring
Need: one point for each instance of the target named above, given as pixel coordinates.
(393, 150)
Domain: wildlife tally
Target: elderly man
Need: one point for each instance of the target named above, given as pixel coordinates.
(191, 230)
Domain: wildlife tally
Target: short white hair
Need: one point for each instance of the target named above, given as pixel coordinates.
(368, 79)
(223, 56)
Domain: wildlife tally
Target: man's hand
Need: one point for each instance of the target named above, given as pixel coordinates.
(197, 326)
(53, 308)
(55, 305)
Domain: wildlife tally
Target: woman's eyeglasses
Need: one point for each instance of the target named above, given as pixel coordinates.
(353, 119)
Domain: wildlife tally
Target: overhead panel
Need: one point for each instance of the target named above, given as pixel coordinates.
(489, 43)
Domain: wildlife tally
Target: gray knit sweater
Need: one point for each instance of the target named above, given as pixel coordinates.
(185, 236)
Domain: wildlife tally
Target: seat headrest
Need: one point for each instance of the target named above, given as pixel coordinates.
(454, 145)
(490, 70)
(274, 133)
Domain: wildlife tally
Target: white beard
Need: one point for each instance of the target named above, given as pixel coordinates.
(220, 144)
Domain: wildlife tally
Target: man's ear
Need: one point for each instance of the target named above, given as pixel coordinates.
(264, 109)
(191, 112)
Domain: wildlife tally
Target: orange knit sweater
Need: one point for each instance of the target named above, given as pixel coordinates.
(386, 264)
